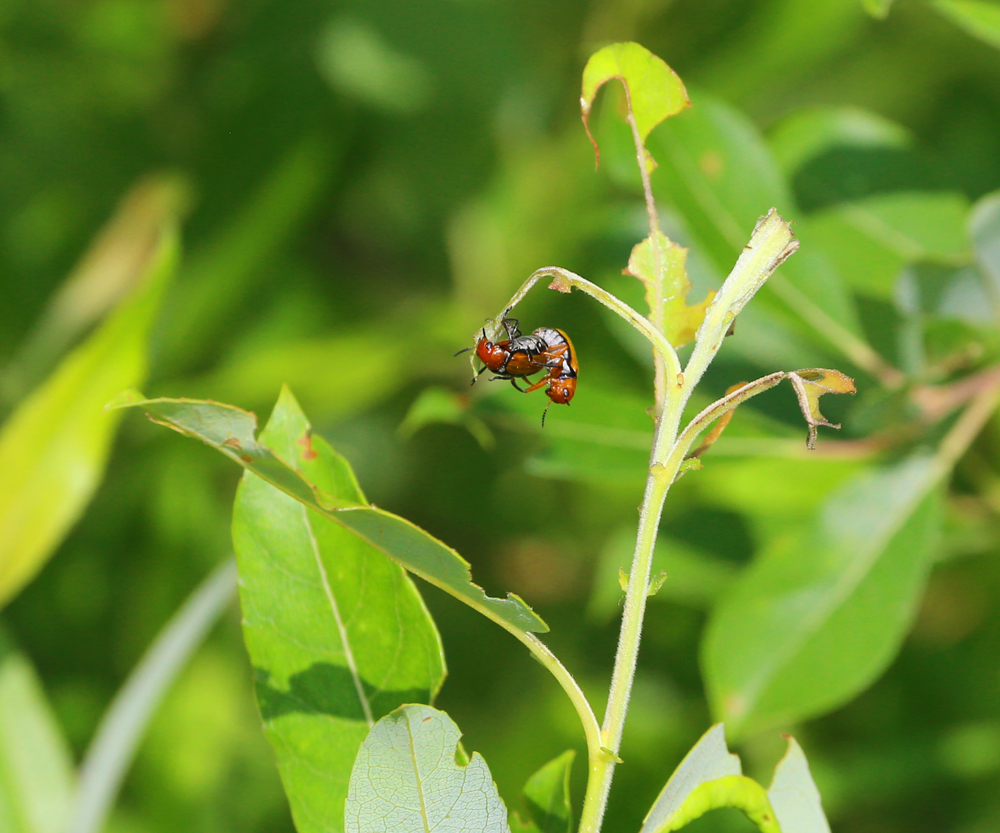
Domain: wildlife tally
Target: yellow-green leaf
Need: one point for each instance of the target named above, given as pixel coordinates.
(55, 444)
(980, 19)
(810, 385)
(653, 90)
(681, 321)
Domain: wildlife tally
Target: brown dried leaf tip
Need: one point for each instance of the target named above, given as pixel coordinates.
(810, 384)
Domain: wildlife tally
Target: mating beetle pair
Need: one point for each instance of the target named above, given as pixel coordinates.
(520, 356)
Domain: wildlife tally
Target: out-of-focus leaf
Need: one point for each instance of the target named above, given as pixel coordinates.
(717, 171)
(809, 386)
(337, 634)
(54, 446)
(406, 779)
(439, 405)
(357, 61)
(818, 617)
(225, 269)
(655, 92)
(115, 262)
(794, 796)
(877, 8)
(36, 769)
(126, 719)
(547, 796)
(871, 239)
(984, 227)
(681, 321)
(231, 431)
(693, 578)
(977, 17)
(708, 760)
(807, 133)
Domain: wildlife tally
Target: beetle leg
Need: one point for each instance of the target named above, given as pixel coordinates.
(540, 383)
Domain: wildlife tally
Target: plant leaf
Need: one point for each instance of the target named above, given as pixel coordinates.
(231, 431)
(681, 321)
(818, 617)
(809, 386)
(124, 723)
(547, 796)
(977, 17)
(794, 796)
(36, 770)
(406, 779)
(337, 634)
(54, 447)
(877, 8)
(654, 91)
(984, 226)
(708, 760)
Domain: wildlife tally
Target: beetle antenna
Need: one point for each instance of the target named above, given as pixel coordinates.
(463, 350)
(544, 413)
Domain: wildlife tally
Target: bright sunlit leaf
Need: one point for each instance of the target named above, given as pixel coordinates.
(54, 447)
(337, 633)
(979, 18)
(36, 768)
(793, 794)
(654, 91)
(231, 431)
(407, 779)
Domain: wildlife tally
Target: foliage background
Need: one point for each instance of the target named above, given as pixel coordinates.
(367, 181)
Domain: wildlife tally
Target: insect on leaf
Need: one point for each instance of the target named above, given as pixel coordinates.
(407, 779)
(653, 90)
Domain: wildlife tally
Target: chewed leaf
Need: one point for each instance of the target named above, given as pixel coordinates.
(407, 779)
(653, 90)
(662, 255)
(708, 760)
(810, 385)
(231, 431)
(794, 796)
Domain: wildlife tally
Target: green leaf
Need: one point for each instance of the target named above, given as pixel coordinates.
(717, 171)
(794, 796)
(870, 240)
(977, 17)
(818, 617)
(708, 760)
(36, 770)
(984, 228)
(547, 796)
(54, 447)
(407, 779)
(438, 405)
(681, 321)
(126, 719)
(809, 132)
(710, 777)
(877, 8)
(231, 431)
(337, 634)
(654, 90)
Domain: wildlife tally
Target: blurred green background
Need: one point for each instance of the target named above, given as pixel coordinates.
(361, 185)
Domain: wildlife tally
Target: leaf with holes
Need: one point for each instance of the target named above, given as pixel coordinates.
(654, 91)
(408, 778)
(230, 431)
(681, 321)
(337, 633)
